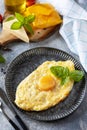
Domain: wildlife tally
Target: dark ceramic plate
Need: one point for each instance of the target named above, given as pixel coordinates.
(28, 61)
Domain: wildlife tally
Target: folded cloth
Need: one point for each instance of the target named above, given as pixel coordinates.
(74, 27)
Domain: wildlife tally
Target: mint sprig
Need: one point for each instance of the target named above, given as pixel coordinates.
(23, 21)
(65, 74)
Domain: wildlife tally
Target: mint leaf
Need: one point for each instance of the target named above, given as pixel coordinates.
(10, 18)
(30, 18)
(76, 75)
(28, 28)
(16, 25)
(19, 17)
(2, 59)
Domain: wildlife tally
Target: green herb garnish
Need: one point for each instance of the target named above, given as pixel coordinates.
(16, 25)
(65, 74)
(2, 59)
(20, 18)
(23, 21)
(76, 75)
(10, 18)
(28, 28)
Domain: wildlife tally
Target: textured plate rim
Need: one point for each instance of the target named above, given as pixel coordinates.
(63, 114)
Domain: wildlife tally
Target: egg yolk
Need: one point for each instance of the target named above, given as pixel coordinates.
(46, 82)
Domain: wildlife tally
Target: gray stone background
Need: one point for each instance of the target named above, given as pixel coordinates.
(76, 121)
